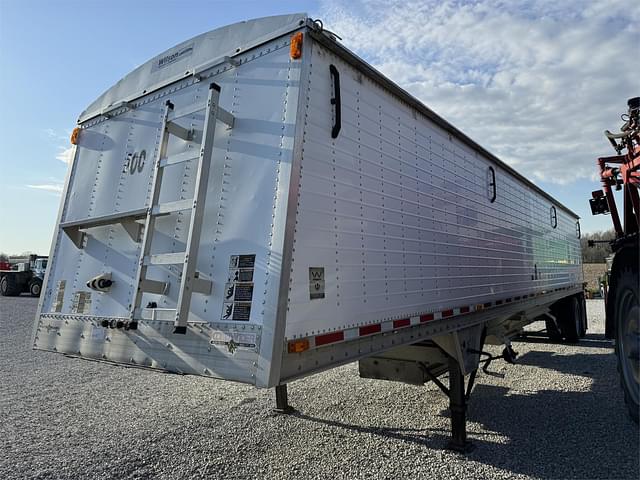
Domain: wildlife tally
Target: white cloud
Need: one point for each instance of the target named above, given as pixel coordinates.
(55, 134)
(49, 187)
(65, 155)
(535, 82)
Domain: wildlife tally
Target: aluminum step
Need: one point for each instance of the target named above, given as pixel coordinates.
(172, 207)
(190, 154)
(128, 220)
(223, 115)
(179, 131)
(177, 258)
(109, 219)
(186, 111)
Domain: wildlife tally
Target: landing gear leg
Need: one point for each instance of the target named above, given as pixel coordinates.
(282, 401)
(458, 408)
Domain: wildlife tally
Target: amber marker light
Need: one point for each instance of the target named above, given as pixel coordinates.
(298, 346)
(295, 49)
(74, 136)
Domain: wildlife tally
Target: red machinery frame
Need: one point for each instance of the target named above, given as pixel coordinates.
(625, 176)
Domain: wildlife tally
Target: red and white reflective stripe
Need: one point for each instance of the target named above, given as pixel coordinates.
(398, 324)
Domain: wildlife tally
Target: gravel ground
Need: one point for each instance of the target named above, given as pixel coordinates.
(556, 414)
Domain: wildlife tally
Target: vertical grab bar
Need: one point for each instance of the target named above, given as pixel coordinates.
(492, 183)
(335, 101)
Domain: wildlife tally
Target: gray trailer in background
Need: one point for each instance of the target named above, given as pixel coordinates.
(259, 204)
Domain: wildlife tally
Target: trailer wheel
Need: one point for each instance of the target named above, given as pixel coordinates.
(571, 322)
(552, 330)
(35, 287)
(9, 287)
(583, 315)
(626, 313)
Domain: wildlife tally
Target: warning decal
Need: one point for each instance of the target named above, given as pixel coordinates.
(56, 306)
(238, 291)
(234, 340)
(81, 302)
(316, 282)
(236, 311)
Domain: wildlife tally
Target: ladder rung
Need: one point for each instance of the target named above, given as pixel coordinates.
(185, 111)
(165, 259)
(162, 314)
(190, 154)
(171, 207)
(179, 131)
(201, 285)
(223, 115)
(154, 286)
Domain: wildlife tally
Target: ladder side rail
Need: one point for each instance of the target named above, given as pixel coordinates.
(197, 213)
(149, 224)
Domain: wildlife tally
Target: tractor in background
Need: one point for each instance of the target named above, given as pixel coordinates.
(621, 173)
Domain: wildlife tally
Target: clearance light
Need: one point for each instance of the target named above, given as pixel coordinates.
(298, 346)
(295, 50)
(74, 136)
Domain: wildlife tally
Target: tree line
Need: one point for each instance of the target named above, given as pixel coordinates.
(599, 251)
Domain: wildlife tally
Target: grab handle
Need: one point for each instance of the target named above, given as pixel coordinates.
(492, 184)
(335, 101)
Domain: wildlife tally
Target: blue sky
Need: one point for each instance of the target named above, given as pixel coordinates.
(519, 89)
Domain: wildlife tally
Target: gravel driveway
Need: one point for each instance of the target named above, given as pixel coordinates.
(556, 414)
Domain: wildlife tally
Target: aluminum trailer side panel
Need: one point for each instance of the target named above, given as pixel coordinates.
(399, 218)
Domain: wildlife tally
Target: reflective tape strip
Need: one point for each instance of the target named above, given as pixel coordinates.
(405, 322)
(390, 325)
(329, 338)
(370, 329)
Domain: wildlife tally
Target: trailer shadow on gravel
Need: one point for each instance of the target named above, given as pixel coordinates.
(590, 340)
(560, 433)
(570, 433)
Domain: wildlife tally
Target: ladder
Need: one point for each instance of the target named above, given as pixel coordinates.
(190, 280)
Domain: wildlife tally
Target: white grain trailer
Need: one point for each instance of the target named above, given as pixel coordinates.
(258, 204)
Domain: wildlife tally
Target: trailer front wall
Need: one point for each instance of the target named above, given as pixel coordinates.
(395, 216)
(245, 214)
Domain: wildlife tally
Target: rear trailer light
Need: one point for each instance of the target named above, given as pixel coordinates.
(295, 49)
(298, 346)
(74, 136)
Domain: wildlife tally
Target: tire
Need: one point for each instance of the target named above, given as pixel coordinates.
(583, 315)
(626, 317)
(570, 321)
(9, 287)
(35, 287)
(552, 331)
